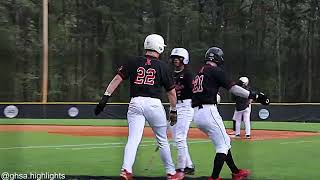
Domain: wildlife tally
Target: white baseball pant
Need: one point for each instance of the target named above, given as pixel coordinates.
(210, 122)
(180, 132)
(150, 109)
(245, 115)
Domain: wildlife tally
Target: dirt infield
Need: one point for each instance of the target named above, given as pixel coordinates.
(194, 133)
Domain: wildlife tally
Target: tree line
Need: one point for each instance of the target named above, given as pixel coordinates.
(275, 43)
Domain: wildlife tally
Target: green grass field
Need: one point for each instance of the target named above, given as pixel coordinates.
(24, 152)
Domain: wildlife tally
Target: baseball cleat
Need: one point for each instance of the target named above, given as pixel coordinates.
(242, 174)
(237, 136)
(176, 176)
(189, 171)
(248, 137)
(125, 175)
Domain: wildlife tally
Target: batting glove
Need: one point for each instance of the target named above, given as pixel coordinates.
(102, 103)
(173, 117)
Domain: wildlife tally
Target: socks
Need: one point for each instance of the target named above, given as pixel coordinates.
(231, 164)
(218, 164)
(234, 125)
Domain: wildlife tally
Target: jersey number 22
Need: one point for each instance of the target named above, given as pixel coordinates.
(145, 76)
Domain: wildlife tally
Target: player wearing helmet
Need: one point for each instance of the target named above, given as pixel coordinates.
(206, 85)
(183, 77)
(242, 110)
(147, 76)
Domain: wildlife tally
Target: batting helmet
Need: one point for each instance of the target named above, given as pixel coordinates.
(154, 42)
(181, 52)
(214, 54)
(245, 80)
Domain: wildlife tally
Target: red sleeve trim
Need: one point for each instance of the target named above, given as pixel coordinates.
(122, 75)
(232, 83)
(170, 88)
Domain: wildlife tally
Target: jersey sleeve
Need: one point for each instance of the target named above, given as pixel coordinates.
(222, 79)
(167, 78)
(123, 71)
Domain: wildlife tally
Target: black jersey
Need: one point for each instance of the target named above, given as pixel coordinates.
(241, 103)
(183, 83)
(206, 85)
(147, 76)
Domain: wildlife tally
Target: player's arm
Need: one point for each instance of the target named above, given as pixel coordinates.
(238, 90)
(168, 84)
(172, 99)
(173, 110)
(259, 97)
(122, 74)
(113, 85)
(116, 81)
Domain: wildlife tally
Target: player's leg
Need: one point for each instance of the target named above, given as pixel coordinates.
(210, 122)
(189, 163)
(230, 162)
(156, 117)
(179, 137)
(136, 122)
(238, 117)
(246, 120)
(233, 132)
(180, 132)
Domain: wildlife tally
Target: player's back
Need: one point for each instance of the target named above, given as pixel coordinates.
(241, 103)
(147, 75)
(206, 85)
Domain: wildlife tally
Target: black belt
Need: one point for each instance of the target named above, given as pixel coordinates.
(197, 105)
(200, 106)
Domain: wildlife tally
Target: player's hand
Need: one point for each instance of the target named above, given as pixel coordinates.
(102, 103)
(263, 99)
(173, 117)
(259, 97)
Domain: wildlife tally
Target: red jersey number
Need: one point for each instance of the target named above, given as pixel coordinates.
(145, 76)
(197, 84)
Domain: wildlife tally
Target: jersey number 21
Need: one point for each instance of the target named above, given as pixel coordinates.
(197, 84)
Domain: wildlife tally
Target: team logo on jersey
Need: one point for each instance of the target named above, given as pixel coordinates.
(148, 62)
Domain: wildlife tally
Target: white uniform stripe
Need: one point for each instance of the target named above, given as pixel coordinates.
(219, 128)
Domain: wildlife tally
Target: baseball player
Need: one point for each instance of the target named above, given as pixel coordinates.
(147, 76)
(183, 77)
(206, 116)
(242, 110)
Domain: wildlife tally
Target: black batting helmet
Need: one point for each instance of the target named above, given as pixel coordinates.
(214, 54)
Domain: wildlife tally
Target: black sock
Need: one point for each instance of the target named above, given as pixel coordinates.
(234, 125)
(218, 164)
(230, 163)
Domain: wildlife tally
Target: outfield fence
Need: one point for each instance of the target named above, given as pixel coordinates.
(303, 112)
